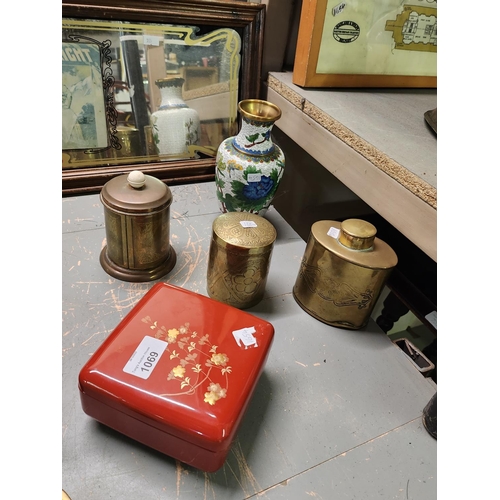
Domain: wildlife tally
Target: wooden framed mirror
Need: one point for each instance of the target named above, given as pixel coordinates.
(124, 50)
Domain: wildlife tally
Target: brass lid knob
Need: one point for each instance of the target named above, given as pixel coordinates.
(357, 234)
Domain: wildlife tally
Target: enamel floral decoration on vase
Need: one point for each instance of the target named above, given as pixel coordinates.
(249, 166)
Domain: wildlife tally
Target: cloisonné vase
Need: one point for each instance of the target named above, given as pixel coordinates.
(249, 166)
(176, 126)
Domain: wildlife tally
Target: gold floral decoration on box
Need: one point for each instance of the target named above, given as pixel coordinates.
(193, 366)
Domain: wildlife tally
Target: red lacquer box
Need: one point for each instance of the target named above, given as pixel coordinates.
(177, 374)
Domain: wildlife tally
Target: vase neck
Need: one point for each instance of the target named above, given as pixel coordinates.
(171, 97)
(254, 137)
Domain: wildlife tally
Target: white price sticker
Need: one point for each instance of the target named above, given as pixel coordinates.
(254, 177)
(245, 336)
(333, 232)
(338, 9)
(146, 357)
(248, 223)
(151, 40)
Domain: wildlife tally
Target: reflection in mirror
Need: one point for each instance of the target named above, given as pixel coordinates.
(141, 93)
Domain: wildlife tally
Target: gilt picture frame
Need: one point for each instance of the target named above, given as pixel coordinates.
(246, 18)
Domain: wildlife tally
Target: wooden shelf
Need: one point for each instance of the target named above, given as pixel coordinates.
(376, 142)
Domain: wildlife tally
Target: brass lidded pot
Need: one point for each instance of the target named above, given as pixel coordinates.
(342, 272)
(137, 220)
(239, 258)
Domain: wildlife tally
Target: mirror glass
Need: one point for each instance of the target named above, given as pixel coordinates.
(140, 93)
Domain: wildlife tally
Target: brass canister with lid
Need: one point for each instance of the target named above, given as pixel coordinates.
(342, 272)
(239, 258)
(137, 220)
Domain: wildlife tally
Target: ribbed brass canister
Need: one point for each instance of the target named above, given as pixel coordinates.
(239, 259)
(342, 272)
(137, 220)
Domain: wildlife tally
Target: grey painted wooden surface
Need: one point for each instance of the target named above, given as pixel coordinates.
(336, 413)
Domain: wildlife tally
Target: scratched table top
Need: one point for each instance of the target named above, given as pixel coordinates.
(336, 413)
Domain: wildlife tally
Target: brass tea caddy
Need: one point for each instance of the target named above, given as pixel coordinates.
(239, 258)
(137, 220)
(342, 272)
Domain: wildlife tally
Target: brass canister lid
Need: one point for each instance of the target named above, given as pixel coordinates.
(354, 240)
(357, 234)
(136, 193)
(244, 230)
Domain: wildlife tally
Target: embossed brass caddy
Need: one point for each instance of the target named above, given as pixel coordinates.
(240, 255)
(342, 272)
(137, 219)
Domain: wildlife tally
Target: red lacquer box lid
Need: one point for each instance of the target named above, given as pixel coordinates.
(182, 363)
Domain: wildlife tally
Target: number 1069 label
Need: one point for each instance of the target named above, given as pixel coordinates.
(146, 357)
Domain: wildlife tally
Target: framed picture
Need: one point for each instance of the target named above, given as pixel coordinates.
(115, 55)
(383, 43)
(84, 124)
